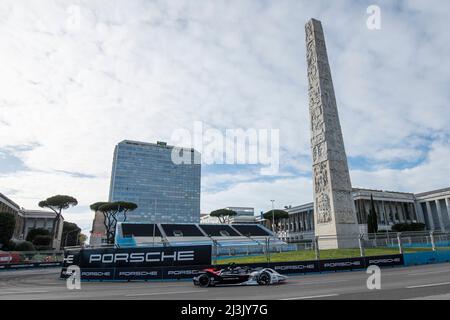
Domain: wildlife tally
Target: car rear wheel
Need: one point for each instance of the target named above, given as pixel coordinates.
(264, 278)
(204, 280)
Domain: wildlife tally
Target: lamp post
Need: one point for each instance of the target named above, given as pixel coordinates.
(154, 225)
(273, 216)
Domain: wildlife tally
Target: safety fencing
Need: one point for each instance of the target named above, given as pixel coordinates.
(309, 256)
(332, 247)
(323, 254)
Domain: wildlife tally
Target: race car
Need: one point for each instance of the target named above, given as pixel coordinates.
(233, 275)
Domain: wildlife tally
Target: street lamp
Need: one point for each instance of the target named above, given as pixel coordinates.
(273, 216)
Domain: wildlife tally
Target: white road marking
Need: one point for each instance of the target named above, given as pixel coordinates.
(437, 297)
(429, 285)
(299, 283)
(429, 272)
(21, 292)
(312, 297)
(163, 293)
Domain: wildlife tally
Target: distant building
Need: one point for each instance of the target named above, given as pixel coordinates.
(98, 232)
(244, 215)
(27, 220)
(243, 211)
(434, 208)
(7, 205)
(39, 219)
(206, 218)
(164, 191)
(431, 208)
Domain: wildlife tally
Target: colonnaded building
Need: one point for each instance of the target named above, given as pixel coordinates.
(431, 208)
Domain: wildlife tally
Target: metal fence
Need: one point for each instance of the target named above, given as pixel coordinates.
(332, 247)
(274, 250)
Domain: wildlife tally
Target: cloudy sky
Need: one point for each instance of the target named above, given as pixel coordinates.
(77, 77)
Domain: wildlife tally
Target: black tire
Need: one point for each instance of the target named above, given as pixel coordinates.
(204, 280)
(264, 279)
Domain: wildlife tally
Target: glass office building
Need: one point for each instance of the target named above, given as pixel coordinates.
(164, 191)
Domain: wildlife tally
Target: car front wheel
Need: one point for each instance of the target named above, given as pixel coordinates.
(204, 280)
(264, 279)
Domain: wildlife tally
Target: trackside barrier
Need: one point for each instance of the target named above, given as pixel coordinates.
(183, 272)
(30, 259)
(15, 266)
(427, 257)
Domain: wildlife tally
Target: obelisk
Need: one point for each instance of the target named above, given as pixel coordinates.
(334, 211)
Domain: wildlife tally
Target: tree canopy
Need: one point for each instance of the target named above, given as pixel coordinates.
(58, 203)
(118, 206)
(95, 206)
(277, 213)
(7, 225)
(70, 234)
(33, 233)
(372, 218)
(82, 239)
(111, 211)
(223, 215)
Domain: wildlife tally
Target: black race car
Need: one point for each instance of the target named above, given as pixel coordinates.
(233, 275)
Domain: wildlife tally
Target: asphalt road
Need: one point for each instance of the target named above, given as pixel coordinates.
(420, 282)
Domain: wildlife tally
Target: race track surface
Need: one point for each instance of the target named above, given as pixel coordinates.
(420, 282)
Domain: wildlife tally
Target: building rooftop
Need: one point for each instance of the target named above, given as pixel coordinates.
(39, 214)
(423, 194)
(306, 206)
(159, 144)
(376, 190)
(9, 201)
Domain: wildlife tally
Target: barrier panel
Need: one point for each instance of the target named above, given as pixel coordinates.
(149, 262)
(29, 265)
(115, 264)
(30, 259)
(385, 261)
(427, 257)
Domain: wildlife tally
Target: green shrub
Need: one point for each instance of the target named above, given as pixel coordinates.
(405, 227)
(25, 246)
(42, 240)
(10, 246)
(33, 233)
(7, 225)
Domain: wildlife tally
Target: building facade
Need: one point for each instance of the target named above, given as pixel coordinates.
(431, 208)
(7, 205)
(98, 232)
(27, 220)
(40, 219)
(165, 191)
(391, 207)
(434, 209)
(244, 215)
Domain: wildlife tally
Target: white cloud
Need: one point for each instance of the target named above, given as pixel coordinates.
(429, 175)
(287, 191)
(142, 69)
